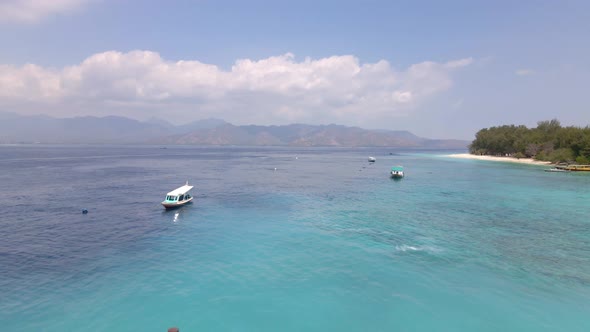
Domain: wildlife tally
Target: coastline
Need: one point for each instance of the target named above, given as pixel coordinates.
(528, 161)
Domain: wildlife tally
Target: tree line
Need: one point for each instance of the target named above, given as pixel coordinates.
(549, 141)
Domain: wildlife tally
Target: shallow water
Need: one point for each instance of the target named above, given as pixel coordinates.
(324, 242)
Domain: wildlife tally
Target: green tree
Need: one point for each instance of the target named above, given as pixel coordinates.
(561, 155)
(582, 160)
(548, 141)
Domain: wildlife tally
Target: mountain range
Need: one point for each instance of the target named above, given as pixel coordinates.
(16, 128)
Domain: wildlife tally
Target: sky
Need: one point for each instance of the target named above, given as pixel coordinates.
(440, 69)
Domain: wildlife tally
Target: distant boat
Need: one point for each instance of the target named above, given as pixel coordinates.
(556, 170)
(397, 172)
(178, 197)
(372, 159)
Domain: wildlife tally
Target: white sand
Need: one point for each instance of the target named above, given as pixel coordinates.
(504, 159)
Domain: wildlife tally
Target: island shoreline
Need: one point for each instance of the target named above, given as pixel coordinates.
(528, 161)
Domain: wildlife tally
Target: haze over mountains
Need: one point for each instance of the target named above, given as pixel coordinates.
(15, 128)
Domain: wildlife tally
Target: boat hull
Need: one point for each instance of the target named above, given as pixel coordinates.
(397, 175)
(170, 206)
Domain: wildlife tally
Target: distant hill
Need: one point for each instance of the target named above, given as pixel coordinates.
(309, 135)
(88, 129)
(119, 130)
(201, 124)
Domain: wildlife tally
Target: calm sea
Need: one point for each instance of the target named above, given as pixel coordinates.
(326, 242)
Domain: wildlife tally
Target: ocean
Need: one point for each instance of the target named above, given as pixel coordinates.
(288, 239)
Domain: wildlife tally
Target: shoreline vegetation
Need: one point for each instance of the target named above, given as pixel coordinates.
(548, 143)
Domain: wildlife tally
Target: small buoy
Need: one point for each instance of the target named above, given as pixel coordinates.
(173, 329)
(84, 211)
(275, 168)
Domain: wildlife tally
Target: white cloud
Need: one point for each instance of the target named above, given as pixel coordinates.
(34, 10)
(459, 63)
(277, 89)
(524, 72)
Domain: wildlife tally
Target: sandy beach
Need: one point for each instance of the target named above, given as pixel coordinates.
(502, 159)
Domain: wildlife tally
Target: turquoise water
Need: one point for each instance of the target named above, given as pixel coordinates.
(326, 242)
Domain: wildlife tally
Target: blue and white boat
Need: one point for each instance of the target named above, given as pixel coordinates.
(555, 169)
(178, 197)
(397, 172)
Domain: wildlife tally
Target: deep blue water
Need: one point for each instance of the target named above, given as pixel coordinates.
(326, 242)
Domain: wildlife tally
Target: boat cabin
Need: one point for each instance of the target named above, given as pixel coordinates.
(397, 172)
(172, 198)
(178, 196)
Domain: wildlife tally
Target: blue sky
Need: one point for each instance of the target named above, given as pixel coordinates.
(437, 68)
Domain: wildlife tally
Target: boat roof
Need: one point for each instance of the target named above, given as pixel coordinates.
(180, 190)
(397, 168)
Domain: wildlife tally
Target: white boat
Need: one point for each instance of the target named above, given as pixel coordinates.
(372, 159)
(557, 170)
(397, 172)
(178, 197)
